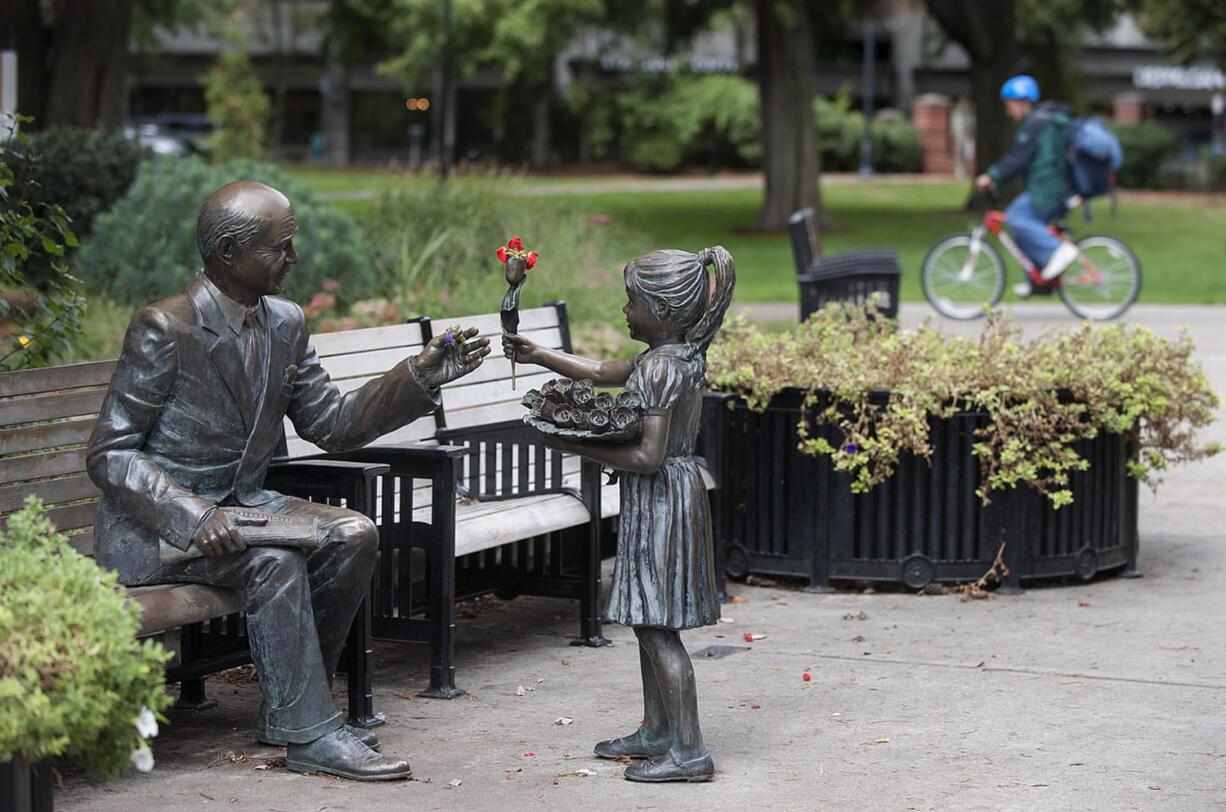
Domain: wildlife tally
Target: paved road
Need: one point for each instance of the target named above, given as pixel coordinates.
(1102, 696)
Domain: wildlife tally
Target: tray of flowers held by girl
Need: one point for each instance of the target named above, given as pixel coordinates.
(574, 409)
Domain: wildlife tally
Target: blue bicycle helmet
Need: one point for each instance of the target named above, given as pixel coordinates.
(1021, 88)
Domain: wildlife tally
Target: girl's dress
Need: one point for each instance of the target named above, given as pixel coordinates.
(664, 575)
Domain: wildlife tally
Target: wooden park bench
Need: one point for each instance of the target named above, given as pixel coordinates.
(46, 417)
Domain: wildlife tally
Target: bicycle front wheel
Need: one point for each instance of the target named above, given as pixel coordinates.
(1104, 281)
(962, 283)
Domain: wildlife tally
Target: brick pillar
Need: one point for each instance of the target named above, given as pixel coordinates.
(930, 115)
(1127, 108)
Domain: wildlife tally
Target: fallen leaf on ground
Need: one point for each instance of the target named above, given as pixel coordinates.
(749, 637)
(755, 706)
(455, 782)
(739, 599)
(855, 615)
(1083, 604)
(563, 720)
(726, 620)
(882, 741)
(514, 770)
(521, 691)
(276, 762)
(529, 755)
(859, 638)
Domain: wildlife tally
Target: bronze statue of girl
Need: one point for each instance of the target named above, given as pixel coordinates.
(664, 577)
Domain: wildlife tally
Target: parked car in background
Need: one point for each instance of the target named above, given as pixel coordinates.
(172, 133)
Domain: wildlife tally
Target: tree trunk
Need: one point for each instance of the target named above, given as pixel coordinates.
(540, 130)
(991, 124)
(986, 30)
(89, 75)
(791, 162)
(21, 30)
(334, 107)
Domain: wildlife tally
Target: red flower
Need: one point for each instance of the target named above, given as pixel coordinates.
(502, 254)
(530, 260)
(806, 676)
(516, 244)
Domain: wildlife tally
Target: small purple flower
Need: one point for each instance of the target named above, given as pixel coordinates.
(851, 448)
(449, 338)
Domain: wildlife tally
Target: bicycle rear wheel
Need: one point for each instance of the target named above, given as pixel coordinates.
(961, 283)
(1104, 281)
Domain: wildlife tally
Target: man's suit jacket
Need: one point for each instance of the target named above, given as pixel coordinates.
(180, 429)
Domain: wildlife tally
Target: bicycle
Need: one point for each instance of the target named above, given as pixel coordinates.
(964, 274)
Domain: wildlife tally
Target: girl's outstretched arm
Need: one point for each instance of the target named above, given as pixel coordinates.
(601, 373)
(644, 457)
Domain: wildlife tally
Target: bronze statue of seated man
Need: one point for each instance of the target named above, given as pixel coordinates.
(182, 446)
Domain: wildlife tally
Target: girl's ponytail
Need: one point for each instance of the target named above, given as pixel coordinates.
(703, 333)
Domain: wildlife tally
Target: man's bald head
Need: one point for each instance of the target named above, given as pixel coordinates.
(239, 210)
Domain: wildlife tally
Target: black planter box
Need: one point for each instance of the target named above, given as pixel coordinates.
(25, 787)
(781, 512)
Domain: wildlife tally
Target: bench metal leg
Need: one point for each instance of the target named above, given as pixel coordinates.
(193, 697)
(441, 553)
(589, 593)
(357, 658)
(191, 690)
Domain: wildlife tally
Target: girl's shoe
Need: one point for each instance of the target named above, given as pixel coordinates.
(635, 745)
(667, 768)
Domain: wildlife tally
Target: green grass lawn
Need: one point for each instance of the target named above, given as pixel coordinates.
(1179, 240)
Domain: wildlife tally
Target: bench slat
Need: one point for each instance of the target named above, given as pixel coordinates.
(41, 466)
(52, 379)
(83, 543)
(536, 318)
(168, 606)
(51, 435)
(531, 516)
(466, 397)
(51, 491)
(352, 365)
(52, 406)
(69, 518)
(365, 339)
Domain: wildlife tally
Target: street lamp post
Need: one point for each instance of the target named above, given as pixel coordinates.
(441, 153)
(866, 94)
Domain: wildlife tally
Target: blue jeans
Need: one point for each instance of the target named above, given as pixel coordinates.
(1029, 226)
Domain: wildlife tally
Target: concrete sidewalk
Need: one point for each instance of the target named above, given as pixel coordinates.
(1109, 695)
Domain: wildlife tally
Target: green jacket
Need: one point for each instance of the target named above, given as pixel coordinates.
(1040, 150)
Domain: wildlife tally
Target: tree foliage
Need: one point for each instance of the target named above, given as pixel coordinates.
(43, 319)
(1191, 29)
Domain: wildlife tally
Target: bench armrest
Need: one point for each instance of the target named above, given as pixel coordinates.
(327, 479)
(405, 459)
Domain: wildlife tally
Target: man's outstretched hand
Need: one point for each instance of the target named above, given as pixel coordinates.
(442, 361)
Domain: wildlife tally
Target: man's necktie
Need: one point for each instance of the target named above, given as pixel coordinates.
(251, 350)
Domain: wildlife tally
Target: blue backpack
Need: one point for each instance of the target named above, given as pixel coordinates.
(1094, 156)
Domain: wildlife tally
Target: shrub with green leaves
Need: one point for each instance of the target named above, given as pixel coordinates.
(38, 296)
(144, 247)
(1041, 396)
(1147, 147)
(73, 677)
(84, 171)
(896, 144)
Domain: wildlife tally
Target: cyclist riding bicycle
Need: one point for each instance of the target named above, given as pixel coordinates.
(1040, 151)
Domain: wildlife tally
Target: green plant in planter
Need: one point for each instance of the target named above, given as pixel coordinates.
(74, 681)
(881, 388)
